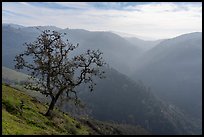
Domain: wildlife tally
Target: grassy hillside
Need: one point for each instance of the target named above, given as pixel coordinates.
(23, 115)
(30, 119)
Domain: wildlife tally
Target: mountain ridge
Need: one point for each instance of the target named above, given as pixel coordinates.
(176, 64)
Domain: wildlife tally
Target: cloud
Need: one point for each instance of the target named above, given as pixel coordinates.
(77, 5)
(155, 20)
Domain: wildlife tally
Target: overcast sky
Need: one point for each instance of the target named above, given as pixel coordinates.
(153, 20)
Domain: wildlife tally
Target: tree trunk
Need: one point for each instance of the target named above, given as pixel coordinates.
(53, 102)
(51, 107)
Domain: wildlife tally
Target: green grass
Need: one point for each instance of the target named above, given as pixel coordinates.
(30, 119)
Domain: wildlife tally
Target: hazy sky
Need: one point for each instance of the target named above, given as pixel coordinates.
(148, 19)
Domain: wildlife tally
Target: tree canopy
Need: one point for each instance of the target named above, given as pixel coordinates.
(56, 73)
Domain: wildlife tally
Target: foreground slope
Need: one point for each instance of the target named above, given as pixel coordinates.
(23, 115)
(30, 119)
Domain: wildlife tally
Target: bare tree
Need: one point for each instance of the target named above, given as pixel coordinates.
(54, 72)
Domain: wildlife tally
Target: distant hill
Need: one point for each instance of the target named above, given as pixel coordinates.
(118, 98)
(16, 26)
(173, 69)
(13, 76)
(117, 51)
(144, 45)
(41, 28)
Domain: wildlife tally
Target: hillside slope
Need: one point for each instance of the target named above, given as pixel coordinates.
(173, 69)
(23, 115)
(120, 99)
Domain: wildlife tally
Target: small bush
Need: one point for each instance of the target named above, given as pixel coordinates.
(78, 125)
(10, 108)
